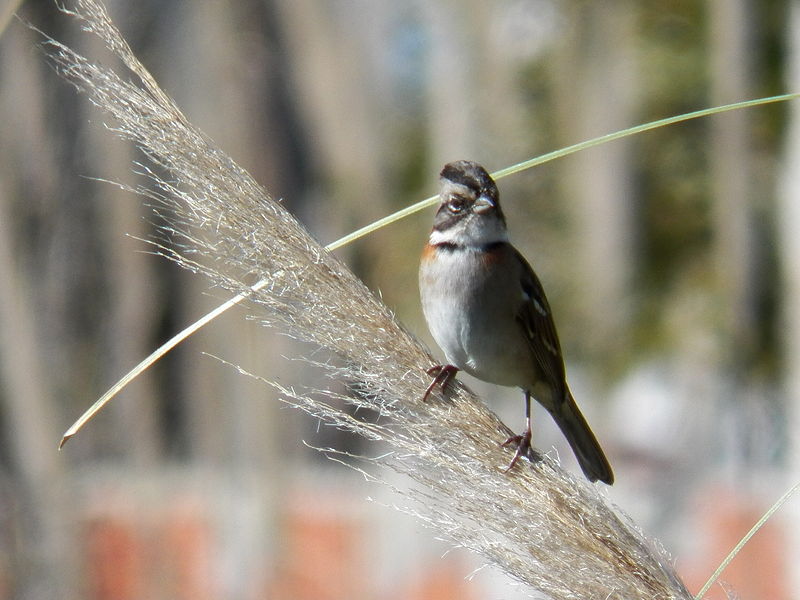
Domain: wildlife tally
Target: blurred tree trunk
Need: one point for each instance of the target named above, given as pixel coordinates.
(29, 416)
(473, 100)
(454, 81)
(736, 252)
(731, 176)
(788, 219)
(341, 108)
(595, 88)
(34, 498)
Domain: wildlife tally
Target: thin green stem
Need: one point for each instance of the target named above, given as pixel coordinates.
(715, 575)
(522, 166)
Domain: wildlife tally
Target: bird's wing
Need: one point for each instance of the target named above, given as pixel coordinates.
(537, 321)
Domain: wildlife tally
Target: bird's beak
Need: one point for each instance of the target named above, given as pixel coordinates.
(484, 204)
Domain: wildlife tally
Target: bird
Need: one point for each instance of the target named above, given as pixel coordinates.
(486, 309)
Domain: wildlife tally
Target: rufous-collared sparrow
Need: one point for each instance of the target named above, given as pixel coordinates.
(487, 310)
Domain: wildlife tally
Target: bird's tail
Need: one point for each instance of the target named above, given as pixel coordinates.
(587, 449)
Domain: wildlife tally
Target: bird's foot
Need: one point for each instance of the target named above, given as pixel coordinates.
(442, 374)
(523, 444)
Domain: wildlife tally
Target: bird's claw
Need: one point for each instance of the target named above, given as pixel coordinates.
(442, 374)
(523, 444)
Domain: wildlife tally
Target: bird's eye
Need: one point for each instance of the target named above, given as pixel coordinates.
(456, 204)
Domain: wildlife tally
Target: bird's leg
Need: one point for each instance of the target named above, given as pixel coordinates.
(523, 442)
(442, 374)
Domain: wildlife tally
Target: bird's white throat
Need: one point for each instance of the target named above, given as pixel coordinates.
(472, 231)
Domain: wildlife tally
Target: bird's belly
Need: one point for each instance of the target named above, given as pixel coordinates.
(499, 355)
(493, 350)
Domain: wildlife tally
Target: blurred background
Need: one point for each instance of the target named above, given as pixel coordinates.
(672, 261)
